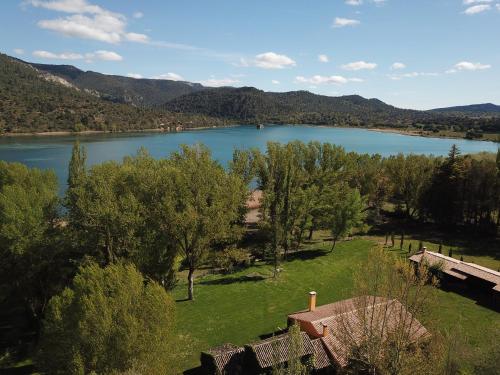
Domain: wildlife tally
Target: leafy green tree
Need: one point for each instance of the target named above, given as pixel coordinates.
(105, 213)
(409, 177)
(345, 213)
(110, 319)
(204, 207)
(279, 176)
(29, 231)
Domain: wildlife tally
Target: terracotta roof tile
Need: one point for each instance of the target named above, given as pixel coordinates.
(227, 358)
(349, 321)
(277, 349)
(321, 359)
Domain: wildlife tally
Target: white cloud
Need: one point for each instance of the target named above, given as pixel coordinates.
(323, 58)
(18, 51)
(105, 28)
(397, 77)
(468, 66)
(354, 2)
(138, 15)
(87, 21)
(57, 56)
(170, 76)
(397, 66)
(359, 65)
(275, 82)
(342, 22)
(319, 80)
(104, 55)
(271, 60)
(498, 7)
(469, 2)
(68, 6)
(136, 37)
(91, 56)
(477, 9)
(213, 82)
(134, 75)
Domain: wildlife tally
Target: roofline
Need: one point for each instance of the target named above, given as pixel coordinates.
(456, 261)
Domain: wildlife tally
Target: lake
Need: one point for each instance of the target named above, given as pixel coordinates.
(54, 151)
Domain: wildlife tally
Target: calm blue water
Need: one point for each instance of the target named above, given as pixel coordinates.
(54, 152)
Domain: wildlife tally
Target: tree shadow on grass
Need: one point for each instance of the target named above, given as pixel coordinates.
(233, 279)
(307, 254)
(22, 370)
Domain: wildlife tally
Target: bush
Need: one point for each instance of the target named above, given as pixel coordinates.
(110, 320)
(230, 259)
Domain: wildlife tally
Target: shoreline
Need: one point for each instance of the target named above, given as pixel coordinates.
(416, 133)
(59, 133)
(412, 133)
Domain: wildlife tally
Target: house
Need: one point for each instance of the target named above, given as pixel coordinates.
(323, 329)
(480, 283)
(341, 325)
(261, 356)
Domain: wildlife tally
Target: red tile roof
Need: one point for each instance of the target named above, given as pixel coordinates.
(276, 350)
(227, 358)
(350, 320)
(459, 269)
(321, 359)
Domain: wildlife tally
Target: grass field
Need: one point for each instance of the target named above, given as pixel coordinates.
(240, 307)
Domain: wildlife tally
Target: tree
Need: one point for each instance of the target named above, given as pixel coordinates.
(105, 213)
(31, 266)
(443, 199)
(344, 213)
(409, 177)
(384, 338)
(280, 177)
(203, 208)
(110, 319)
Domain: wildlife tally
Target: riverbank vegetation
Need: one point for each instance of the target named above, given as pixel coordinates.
(178, 223)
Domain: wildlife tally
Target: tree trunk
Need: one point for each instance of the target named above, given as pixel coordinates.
(311, 231)
(191, 283)
(333, 244)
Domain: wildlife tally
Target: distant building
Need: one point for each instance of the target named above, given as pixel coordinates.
(320, 344)
(472, 280)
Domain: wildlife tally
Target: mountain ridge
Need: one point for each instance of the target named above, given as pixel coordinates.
(165, 103)
(480, 108)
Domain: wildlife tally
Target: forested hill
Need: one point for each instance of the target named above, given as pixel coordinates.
(248, 104)
(33, 101)
(473, 109)
(39, 97)
(139, 92)
(251, 104)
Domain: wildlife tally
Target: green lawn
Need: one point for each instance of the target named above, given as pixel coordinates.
(238, 308)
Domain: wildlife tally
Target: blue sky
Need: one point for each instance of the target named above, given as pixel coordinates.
(413, 54)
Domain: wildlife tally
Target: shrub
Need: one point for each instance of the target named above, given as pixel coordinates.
(230, 259)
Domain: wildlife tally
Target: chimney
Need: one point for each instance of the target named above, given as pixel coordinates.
(325, 329)
(312, 301)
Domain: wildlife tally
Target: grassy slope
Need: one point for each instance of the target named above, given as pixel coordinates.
(238, 308)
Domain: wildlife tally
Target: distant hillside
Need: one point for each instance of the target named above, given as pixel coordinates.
(34, 101)
(250, 104)
(39, 97)
(139, 92)
(473, 109)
